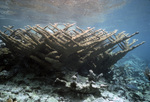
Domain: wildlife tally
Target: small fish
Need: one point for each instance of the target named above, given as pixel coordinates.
(132, 87)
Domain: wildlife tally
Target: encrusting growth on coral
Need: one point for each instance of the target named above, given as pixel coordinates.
(54, 47)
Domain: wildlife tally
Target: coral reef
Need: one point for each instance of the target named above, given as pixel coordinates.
(129, 84)
(53, 47)
(82, 88)
(32, 87)
(147, 73)
(129, 79)
(80, 85)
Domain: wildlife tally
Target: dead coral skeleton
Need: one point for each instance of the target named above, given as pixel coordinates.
(84, 86)
(93, 77)
(78, 87)
(54, 47)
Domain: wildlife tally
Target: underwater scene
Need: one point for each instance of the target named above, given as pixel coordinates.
(74, 50)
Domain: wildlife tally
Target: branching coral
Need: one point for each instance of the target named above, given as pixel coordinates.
(54, 47)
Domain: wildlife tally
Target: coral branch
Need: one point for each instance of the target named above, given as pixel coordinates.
(55, 47)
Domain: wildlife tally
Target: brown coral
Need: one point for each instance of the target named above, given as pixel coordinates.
(54, 47)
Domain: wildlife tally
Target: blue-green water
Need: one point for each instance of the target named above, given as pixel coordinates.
(124, 15)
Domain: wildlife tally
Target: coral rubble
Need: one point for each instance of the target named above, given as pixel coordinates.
(129, 76)
(54, 47)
